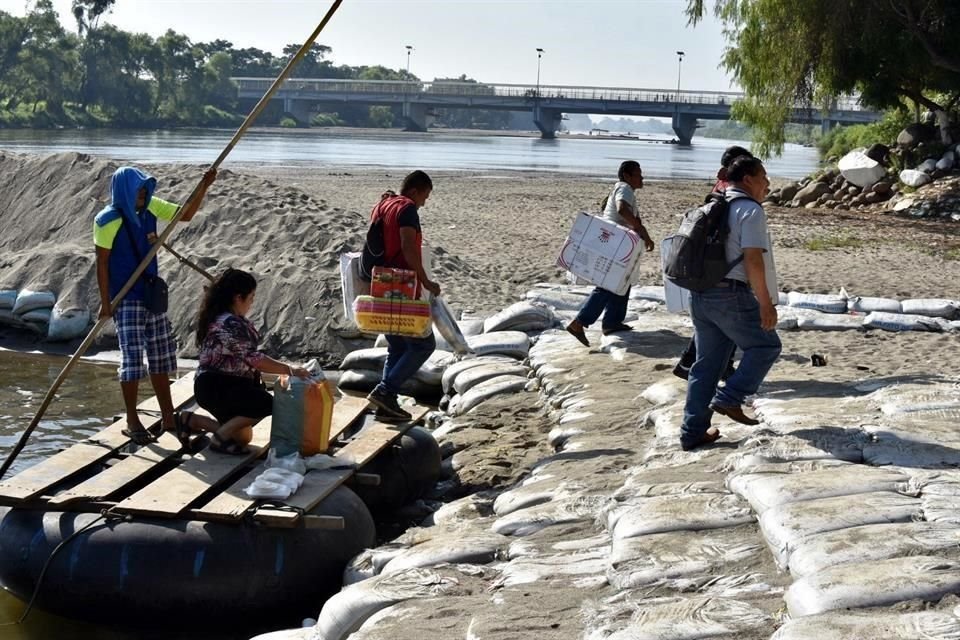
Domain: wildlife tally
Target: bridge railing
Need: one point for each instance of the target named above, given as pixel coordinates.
(543, 92)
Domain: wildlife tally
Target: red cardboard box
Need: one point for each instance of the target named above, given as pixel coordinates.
(397, 284)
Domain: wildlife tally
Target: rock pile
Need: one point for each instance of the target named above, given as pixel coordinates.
(865, 178)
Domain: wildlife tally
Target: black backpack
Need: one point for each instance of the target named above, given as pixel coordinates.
(697, 257)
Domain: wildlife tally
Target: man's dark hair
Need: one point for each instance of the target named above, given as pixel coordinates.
(417, 180)
(742, 167)
(731, 154)
(627, 167)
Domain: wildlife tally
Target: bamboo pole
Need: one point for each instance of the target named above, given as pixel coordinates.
(102, 321)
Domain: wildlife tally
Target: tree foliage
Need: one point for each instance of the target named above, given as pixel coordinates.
(103, 75)
(786, 53)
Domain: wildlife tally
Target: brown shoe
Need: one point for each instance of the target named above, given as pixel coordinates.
(618, 329)
(712, 435)
(576, 330)
(734, 413)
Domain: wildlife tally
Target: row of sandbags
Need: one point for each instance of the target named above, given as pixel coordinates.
(38, 312)
(495, 367)
(797, 311)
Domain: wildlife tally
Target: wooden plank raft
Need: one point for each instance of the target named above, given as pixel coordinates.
(40, 477)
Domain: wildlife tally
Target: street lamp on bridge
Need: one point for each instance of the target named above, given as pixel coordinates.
(409, 49)
(539, 55)
(680, 55)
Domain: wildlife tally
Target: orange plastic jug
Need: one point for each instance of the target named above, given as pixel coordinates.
(302, 412)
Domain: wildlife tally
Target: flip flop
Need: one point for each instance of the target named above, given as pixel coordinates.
(139, 436)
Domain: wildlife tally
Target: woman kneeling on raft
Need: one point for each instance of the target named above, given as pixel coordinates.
(228, 382)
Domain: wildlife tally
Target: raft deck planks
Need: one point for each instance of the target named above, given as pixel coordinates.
(374, 438)
(35, 480)
(317, 485)
(121, 474)
(171, 493)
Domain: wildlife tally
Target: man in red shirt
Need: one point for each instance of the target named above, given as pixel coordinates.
(395, 240)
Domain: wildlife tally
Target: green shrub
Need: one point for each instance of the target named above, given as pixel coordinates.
(327, 120)
(841, 140)
(288, 123)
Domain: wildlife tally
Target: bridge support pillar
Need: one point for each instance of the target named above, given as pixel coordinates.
(547, 121)
(826, 125)
(684, 125)
(416, 117)
(298, 109)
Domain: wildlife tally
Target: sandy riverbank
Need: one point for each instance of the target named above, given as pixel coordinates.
(494, 234)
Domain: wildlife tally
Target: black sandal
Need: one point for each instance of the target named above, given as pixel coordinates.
(229, 446)
(181, 426)
(138, 436)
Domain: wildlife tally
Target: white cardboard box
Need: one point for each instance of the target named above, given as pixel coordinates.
(601, 252)
(678, 298)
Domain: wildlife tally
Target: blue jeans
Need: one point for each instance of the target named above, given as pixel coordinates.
(725, 318)
(405, 356)
(612, 306)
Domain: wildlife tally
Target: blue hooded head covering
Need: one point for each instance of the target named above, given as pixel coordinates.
(125, 184)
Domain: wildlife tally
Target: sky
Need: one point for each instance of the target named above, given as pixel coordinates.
(610, 43)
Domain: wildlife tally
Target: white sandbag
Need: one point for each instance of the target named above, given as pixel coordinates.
(872, 624)
(471, 327)
(474, 376)
(515, 344)
(302, 633)
(351, 284)
(653, 293)
(818, 302)
(932, 307)
(431, 372)
(365, 360)
(871, 542)
(785, 526)
(914, 178)
(765, 490)
(678, 513)
(36, 316)
(692, 618)
(876, 584)
(817, 321)
(343, 613)
(900, 322)
(370, 562)
(468, 548)
(67, 324)
(482, 392)
(28, 300)
(860, 169)
(560, 300)
(8, 297)
(527, 315)
(447, 327)
(364, 380)
(644, 560)
(525, 522)
(452, 372)
(863, 304)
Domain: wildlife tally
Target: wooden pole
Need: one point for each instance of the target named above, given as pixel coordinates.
(101, 322)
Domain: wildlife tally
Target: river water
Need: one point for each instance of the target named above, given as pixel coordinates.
(399, 150)
(88, 399)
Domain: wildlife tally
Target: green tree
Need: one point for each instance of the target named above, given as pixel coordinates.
(784, 53)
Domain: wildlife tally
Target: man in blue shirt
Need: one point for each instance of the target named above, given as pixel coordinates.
(738, 312)
(134, 207)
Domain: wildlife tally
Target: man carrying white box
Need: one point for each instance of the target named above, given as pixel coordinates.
(621, 209)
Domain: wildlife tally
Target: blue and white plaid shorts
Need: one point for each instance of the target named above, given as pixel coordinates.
(138, 329)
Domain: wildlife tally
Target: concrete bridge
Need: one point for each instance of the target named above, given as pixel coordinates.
(303, 97)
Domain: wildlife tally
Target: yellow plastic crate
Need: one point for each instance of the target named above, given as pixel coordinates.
(393, 317)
